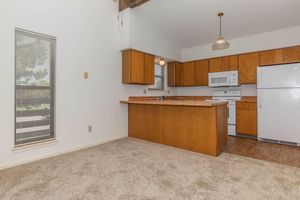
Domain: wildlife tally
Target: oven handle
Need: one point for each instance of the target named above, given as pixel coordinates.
(228, 111)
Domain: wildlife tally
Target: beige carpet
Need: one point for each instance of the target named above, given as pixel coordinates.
(133, 169)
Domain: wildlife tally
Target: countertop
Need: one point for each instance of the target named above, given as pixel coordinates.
(195, 103)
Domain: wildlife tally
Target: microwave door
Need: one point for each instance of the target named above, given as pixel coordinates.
(218, 81)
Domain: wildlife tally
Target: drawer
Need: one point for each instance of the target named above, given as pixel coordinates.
(246, 105)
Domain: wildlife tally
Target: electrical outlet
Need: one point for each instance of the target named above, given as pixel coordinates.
(145, 91)
(86, 75)
(90, 128)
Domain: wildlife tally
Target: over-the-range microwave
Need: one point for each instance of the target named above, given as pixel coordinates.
(223, 79)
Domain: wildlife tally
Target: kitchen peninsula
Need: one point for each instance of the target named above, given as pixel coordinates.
(195, 124)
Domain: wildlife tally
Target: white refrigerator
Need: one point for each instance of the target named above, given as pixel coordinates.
(278, 90)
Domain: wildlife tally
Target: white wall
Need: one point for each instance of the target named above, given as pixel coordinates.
(87, 33)
(263, 41)
(246, 90)
(270, 40)
(137, 32)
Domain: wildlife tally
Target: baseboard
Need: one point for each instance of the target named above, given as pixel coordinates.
(26, 161)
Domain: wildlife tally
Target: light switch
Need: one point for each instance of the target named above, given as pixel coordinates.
(90, 128)
(86, 75)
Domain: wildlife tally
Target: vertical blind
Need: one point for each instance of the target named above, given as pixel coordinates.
(34, 87)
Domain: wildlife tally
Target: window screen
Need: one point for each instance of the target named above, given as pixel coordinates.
(34, 87)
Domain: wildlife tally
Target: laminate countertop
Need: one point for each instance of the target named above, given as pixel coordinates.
(193, 103)
(248, 99)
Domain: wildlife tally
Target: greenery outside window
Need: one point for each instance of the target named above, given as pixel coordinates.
(159, 78)
(34, 87)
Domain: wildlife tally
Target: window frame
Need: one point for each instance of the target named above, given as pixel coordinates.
(162, 77)
(52, 112)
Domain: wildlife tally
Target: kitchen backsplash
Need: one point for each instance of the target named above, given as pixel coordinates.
(246, 90)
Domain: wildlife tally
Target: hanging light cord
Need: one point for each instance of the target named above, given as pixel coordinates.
(220, 26)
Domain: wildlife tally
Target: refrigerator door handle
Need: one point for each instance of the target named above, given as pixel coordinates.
(261, 99)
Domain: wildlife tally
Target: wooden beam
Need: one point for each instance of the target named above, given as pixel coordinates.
(123, 4)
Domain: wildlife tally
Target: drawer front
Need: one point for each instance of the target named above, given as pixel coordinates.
(246, 106)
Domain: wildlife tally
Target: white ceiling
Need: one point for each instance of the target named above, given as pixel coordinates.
(191, 23)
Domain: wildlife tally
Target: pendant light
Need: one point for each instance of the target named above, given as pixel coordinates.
(162, 62)
(220, 43)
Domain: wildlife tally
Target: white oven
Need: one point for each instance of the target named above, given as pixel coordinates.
(231, 97)
(220, 79)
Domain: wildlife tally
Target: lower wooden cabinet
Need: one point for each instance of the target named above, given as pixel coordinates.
(246, 118)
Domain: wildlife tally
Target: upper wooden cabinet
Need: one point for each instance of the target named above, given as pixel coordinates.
(291, 54)
(174, 74)
(248, 64)
(271, 57)
(193, 73)
(230, 63)
(227, 63)
(188, 73)
(201, 73)
(216, 65)
(149, 69)
(138, 68)
(280, 56)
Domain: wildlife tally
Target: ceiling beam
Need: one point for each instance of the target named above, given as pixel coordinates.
(123, 4)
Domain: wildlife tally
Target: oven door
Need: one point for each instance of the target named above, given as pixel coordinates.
(232, 118)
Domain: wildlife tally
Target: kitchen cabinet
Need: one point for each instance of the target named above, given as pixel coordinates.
(280, 56)
(137, 67)
(291, 54)
(246, 118)
(271, 57)
(216, 65)
(174, 74)
(188, 73)
(149, 69)
(227, 63)
(230, 63)
(194, 73)
(201, 73)
(248, 64)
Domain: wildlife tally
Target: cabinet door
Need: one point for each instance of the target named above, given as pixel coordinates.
(248, 64)
(188, 73)
(216, 65)
(178, 74)
(291, 54)
(149, 69)
(126, 66)
(271, 57)
(174, 74)
(246, 119)
(171, 74)
(201, 73)
(230, 63)
(137, 70)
